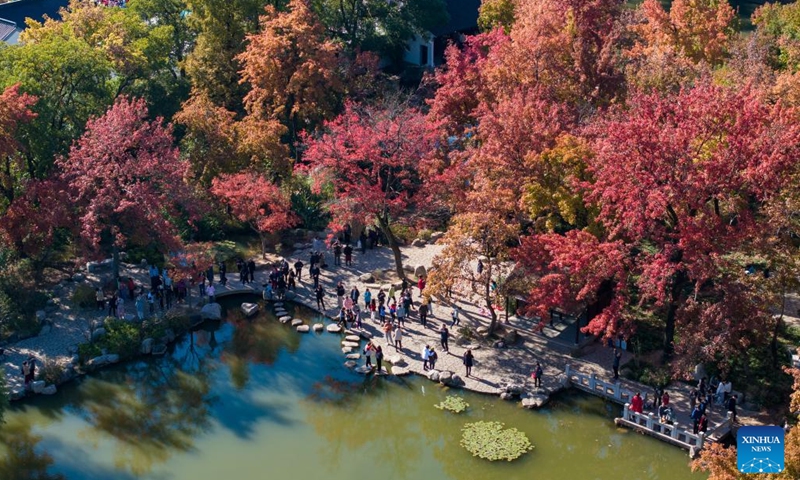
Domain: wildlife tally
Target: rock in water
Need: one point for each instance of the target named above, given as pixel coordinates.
(445, 377)
(37, 386)
(296, 322)
(318, 327)
(352, 338)
(303, 328)
(350, 364)
(285, 319)
(399, 371)
(211, 311)
(345, 343)
(147, 346)
(49, 390)
(353, 356)
(249, 309)
(333, 328)
(433, 375)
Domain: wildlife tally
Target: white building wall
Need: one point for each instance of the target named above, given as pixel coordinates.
(415, 51)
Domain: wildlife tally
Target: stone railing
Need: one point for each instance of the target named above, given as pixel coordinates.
(650, 421)
(596, 386)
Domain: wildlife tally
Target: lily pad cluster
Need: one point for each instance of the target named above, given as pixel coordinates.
(491, 441)
(453, 403)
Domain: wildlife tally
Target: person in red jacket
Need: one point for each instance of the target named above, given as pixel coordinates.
(637, 403)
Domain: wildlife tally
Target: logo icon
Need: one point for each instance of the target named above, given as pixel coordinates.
(760, 449)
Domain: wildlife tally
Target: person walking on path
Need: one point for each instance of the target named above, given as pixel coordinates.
(298, 270)
(469, 360)
(292, 285)
(140, 306)
(637, 403)
(423, 314)
(426, 354)
(387, 332)
(368, 355)
(537, 375)
(421, 285)
(101, 299)
(112, 306)
(615, 365)
(432, 357)
(391, 294)
(373, 310)
(367, 298)
(401, 315)
(354, 294)
(444, 335)
(320, 293)
(210, 274)
(251, 269)
(348, 255)
(362, 241)
(456, 319)
(211, 293)
(379, 359)
(340, 294)
(315, 275)
(381, 297)
(398, 339)
(731, 406)
(337, 253)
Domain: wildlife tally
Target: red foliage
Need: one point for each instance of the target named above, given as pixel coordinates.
(125, 180)
(255, 200)
(32, 219)
(372, 156)
(15, 108)
(679, 181)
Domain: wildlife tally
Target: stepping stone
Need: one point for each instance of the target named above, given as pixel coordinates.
(353, 338)
(365, 335)
(347, 350)
(363, 370)
(350, 344)
(396, 360)
(249, 309)
(296, 322)
(285, 319)
(281, 313)
(318, 327)
(353, 356)
(400, 371)
(333, 328)
(350, 364)
(277, 304)
(303, 328)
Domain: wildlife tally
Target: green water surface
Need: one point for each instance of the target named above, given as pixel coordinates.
(255, 400)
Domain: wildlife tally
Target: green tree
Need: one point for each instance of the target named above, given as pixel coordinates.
(377, 25)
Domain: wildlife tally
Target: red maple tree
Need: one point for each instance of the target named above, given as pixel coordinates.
(15, 110)
(125, 182)
(255, 200)
(372, 157)
(682, 183)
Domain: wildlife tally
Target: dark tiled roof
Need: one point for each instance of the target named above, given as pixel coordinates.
(35, 9)
(463, 16)
(6, 29)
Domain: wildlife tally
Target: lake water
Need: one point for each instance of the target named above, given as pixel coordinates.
(256, 400)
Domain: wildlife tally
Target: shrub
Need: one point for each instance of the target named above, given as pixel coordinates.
(87, 351)
(84, 296)
(18, 306)
(121, 338)
(150, 253)
(404, 233)
(309, 206)
(491, 441)
(51, 371)
(424, 234)
(453, 404)
(178, 322)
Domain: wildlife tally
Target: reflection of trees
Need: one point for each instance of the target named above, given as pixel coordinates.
(19, 460)
(257, 342)
(156, 410)
(354, 415)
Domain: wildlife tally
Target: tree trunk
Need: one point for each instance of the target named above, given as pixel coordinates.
(263, 239)
(383, 223)
(115, 267)
(776, 332)
(669, 327)
(487, 296)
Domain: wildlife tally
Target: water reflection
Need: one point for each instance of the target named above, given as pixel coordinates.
(153, 410)
(20, 459)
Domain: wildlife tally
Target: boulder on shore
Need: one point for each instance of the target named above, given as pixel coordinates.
(211, 311)
(420, 271)
(49, 390)
(433, 375)
(249, 309)
(37, 386)
(418, 242)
